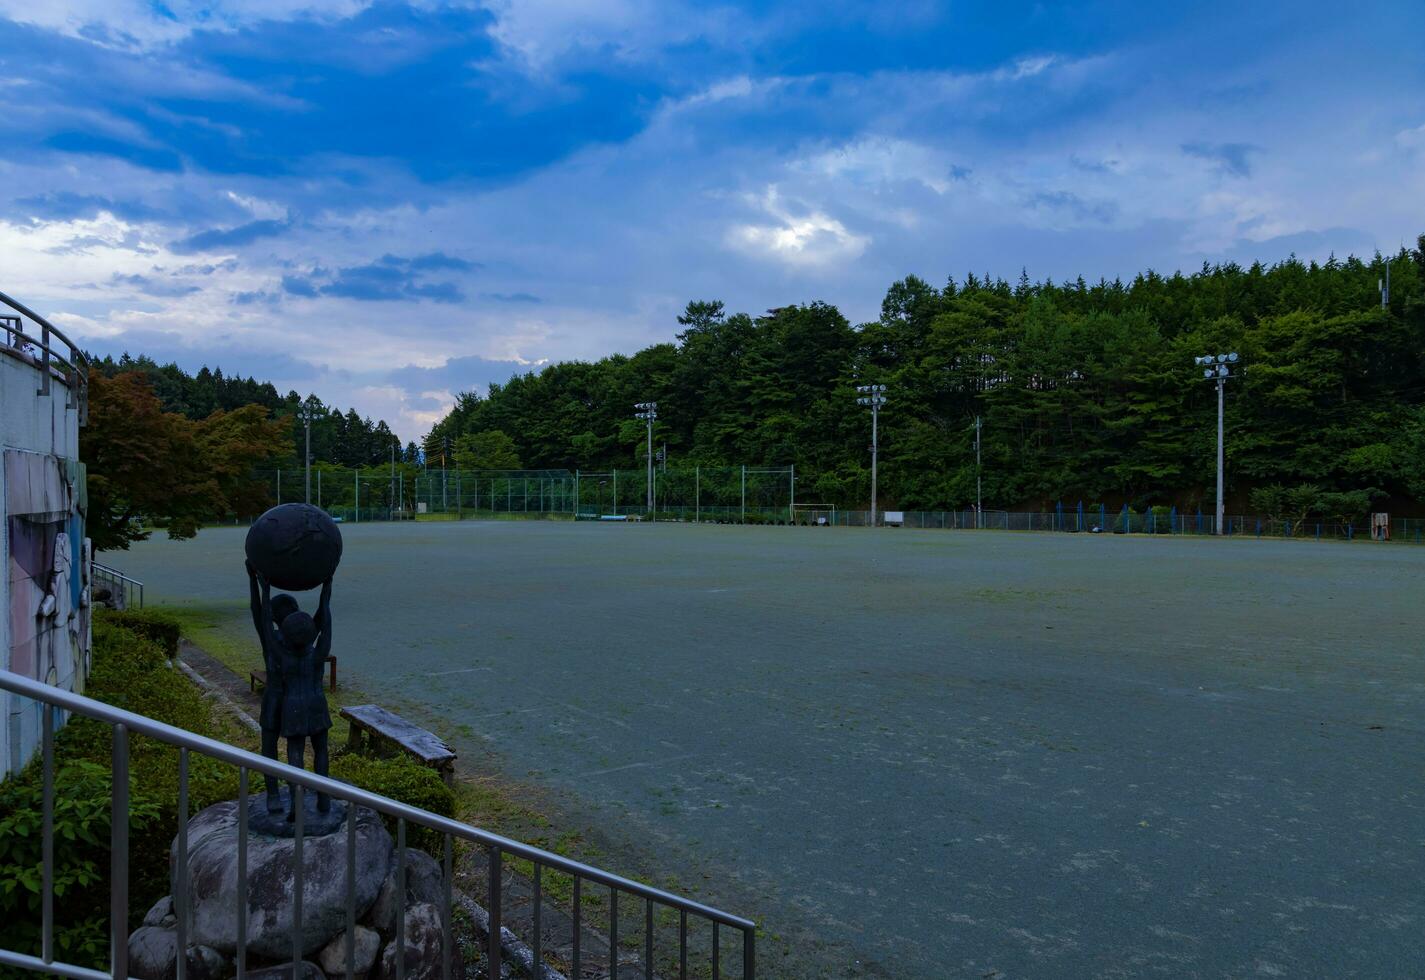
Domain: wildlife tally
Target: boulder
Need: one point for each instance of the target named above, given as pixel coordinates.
(153, 956)
(307, 971)
(161, 914)
(424, 883)
(152, 953)
(367, 943)
(212, 882)
(423, 958)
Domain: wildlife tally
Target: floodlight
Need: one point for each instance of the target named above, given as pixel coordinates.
(1207, 373)
(1232, 358)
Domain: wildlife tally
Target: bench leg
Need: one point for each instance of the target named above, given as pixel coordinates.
(353, 738)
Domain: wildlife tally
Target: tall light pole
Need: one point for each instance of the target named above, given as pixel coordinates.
(979, 487)
(648, 411)
(308, 408)
(1215, 368)
(875, 397)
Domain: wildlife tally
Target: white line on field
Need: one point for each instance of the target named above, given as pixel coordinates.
(637, 765)
(462, 670)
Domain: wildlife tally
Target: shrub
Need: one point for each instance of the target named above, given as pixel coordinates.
(81, 859)
(401, 779)
(130, 672)
(160, 627)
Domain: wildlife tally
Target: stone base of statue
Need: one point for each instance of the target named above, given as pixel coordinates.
(211, 872)
(315, 823)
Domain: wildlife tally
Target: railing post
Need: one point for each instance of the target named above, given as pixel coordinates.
(180, 871)
(119, 857)
(242, 874)
(749, 954)
(47, 883)
(493, 956)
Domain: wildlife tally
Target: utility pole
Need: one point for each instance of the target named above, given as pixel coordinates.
(391, 493)
(1215, 368)
(979, 486)
(875, 397)
(648, 411)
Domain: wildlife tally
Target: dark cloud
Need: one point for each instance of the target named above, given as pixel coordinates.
(439, 260)
(389, 279)
(1080, 208)
(457, 374)
(151, 286)
(299, 286)
(219, 238)
(1231, 158)
(67, 205)
(226, 352)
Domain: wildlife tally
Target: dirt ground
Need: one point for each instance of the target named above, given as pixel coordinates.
(928, 753)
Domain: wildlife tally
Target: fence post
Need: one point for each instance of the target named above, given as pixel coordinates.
(697, 494)
(792, 497)
(744, 493)
(1350, 532)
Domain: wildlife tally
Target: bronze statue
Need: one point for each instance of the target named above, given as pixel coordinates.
(297, 650)
(270, 718)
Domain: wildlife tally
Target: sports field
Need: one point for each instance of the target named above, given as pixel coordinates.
(930, 753)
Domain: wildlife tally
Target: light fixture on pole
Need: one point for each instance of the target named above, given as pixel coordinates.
(1216, 367)
(648, 411)
(873, 396)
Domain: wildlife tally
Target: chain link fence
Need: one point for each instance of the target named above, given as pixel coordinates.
(742, 495)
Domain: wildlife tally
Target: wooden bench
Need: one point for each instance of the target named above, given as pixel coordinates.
(380, 725)
(258, 678)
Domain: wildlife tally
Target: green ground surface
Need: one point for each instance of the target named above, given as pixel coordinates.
(923, 753)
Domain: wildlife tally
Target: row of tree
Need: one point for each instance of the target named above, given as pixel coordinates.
(343, 438)
(1081, 391)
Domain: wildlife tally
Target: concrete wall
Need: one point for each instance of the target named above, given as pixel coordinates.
(41, 431)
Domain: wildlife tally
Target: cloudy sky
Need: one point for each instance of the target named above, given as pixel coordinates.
(386, 203)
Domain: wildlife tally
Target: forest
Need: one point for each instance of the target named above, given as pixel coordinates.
(339, 438)
(1083, 391)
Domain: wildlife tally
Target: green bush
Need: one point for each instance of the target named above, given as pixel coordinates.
(81, 859)
(401, 779)
(160, 627)
(131, 672)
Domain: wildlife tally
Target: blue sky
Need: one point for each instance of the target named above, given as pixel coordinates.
(387, 203)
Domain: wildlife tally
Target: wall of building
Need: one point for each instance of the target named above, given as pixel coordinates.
(44, 594)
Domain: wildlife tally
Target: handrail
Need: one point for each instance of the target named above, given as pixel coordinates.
(74, 361)
(128, 585)
(125, 723)
(143, 725)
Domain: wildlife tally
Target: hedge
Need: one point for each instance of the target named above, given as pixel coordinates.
(160, 627)
(401, 779)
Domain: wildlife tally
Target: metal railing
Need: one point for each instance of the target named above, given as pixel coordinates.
(127, 589)
(52, 352)
(125, 723)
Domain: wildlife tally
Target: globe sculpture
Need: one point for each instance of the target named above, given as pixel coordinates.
(296, 546)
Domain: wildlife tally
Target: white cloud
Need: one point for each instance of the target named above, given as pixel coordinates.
(801, 238)
(1412, 139)
(142, 24)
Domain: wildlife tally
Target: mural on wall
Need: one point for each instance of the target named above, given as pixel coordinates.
(49, 594)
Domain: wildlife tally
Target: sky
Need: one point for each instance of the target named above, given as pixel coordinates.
(388, 203)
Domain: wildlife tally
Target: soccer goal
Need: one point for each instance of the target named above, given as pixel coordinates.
(822, 515)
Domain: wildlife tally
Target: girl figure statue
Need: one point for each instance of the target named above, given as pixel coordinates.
(301, 645)
(270, 720)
